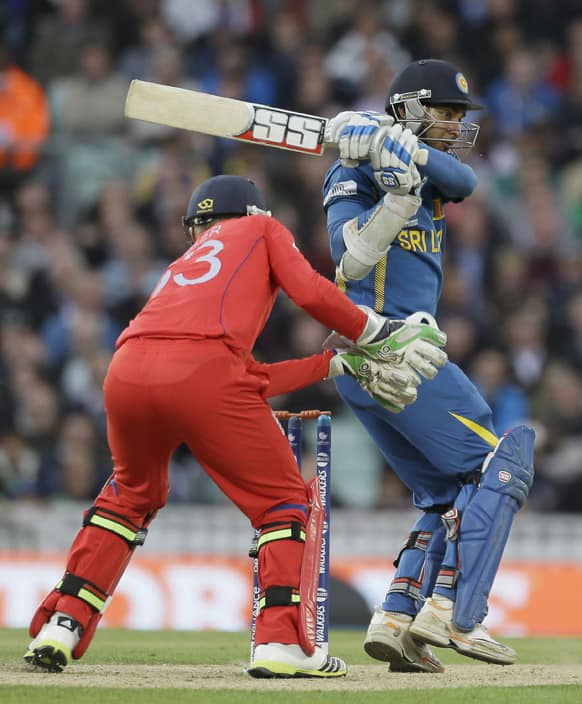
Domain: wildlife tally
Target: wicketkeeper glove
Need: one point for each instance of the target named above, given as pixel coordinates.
(392, 388)
(416, 343)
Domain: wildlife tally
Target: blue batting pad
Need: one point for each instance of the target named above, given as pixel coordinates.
(486, 523)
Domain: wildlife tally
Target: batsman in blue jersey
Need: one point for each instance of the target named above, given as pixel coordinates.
(384, 201)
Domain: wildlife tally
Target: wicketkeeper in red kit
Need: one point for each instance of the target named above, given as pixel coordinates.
(183, 372)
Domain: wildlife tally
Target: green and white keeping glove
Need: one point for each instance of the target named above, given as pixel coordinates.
(392, 388)
(415, 343)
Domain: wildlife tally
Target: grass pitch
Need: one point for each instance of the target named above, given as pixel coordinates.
(143, 667)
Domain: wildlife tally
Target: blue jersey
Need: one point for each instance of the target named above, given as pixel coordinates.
(442, 438)
(409, 277)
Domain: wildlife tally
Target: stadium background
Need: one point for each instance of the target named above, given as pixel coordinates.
(90, 207)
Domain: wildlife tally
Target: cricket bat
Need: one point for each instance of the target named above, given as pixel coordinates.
(225, 117)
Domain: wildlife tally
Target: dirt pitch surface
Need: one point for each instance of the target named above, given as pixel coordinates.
(360, 677)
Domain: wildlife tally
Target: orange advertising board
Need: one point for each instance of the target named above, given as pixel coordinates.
(201, 592)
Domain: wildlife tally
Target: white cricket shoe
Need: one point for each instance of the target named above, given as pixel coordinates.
(389, 639)
(52, 647)
(289, 660)
(434, 624)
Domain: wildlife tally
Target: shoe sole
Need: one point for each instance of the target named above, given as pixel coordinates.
(427, 636)
(277, 670)
(385, 652)
(47, 657)
(483, 655)
(465, 649)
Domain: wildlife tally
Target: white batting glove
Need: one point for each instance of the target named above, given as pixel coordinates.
(394, 153)
(352, 132)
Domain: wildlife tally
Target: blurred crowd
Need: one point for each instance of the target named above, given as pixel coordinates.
(90, 207)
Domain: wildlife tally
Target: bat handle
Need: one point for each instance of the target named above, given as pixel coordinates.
(420, 158)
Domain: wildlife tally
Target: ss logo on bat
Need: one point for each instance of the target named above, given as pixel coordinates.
(288, 129)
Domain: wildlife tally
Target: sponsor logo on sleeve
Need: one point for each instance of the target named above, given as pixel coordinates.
(340, 190)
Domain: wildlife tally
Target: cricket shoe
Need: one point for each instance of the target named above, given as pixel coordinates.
(434, 624)
(288, 660)
(52, 647)
(389, 639)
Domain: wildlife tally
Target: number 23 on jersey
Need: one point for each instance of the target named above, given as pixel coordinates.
(205, 253)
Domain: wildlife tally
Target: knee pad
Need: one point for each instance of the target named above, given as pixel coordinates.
(486, 522)
(97, 559)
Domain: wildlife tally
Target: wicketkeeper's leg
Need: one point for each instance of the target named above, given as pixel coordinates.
(116, 523)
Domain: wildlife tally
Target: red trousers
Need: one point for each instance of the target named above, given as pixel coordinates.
(162, 393)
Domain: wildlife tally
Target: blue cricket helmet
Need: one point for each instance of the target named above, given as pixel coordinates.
(221, 196)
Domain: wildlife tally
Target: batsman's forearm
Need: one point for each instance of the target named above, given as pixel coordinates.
(454, 179)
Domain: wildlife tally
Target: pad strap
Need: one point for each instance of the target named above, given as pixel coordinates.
(417, 539)
(447, 577)
(280, 530)
(279, 596)
(438, 508)
(452, 522)
(117, 524)
(88, 592)
(406, 586)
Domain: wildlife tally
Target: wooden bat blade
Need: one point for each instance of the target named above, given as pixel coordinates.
(187, 109)
(225, 117)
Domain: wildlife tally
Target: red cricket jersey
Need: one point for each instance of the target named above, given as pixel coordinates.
(225, 286)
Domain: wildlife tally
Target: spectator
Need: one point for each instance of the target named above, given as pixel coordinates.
(19, 466)
(131, 273)
(559, 406)
(524, 335)
(507, 400)
(351, 58)
(82, 306)
(89, 103)
(88, 120)
(138, 60)
(210, 15)
(462, 338)
(59, 36)
(24, 122)
(520, 99)
(78, 466)
(13, 280)
(167, 67)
